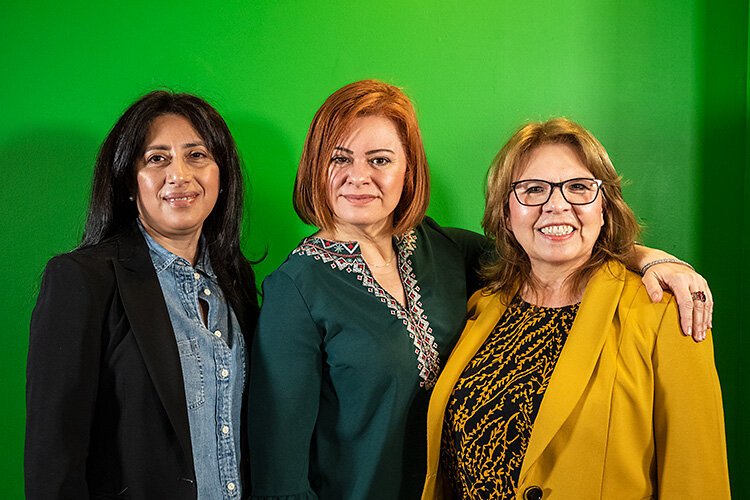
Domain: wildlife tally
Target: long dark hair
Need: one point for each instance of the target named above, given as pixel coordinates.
(111, 211)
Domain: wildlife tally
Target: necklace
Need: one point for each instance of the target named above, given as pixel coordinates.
(387, 263)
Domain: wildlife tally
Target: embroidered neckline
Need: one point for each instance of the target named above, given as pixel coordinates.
(346, 256)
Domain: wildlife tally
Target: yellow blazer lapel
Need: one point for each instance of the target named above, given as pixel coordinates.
(484, 312)
(578, 358)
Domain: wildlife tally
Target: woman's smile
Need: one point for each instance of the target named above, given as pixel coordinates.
(178, 200)
(359, 199)
(557, 232)
(366, 176)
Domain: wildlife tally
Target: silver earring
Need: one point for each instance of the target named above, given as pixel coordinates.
(131, 198)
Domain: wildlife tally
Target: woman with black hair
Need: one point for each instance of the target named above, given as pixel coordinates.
(137, 360)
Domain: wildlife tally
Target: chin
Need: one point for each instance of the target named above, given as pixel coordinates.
(360, 220)
(182, 227)
(564, 260)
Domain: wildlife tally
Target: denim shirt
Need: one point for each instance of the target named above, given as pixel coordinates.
(212, 356)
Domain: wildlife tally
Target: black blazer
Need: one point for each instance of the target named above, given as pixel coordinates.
(106, 415)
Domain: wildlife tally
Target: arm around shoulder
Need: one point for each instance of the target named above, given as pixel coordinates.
(474, 247)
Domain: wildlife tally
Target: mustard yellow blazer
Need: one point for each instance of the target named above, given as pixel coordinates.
(633, 409)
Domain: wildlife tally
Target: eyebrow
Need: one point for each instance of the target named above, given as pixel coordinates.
(165, 147)
(372, 151)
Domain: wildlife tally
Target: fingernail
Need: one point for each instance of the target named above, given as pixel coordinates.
(689, 332)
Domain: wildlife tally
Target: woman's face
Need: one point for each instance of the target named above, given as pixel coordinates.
(557, 233)
(366, 176)
(177, 179)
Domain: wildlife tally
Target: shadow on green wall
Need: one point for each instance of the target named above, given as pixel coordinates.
(53, 162)
(724, 199)
(269, 158)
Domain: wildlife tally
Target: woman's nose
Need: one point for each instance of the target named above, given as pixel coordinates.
(178, 171)
(359, 172)
(557, 201)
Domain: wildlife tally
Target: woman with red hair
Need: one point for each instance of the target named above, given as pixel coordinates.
(357, 322)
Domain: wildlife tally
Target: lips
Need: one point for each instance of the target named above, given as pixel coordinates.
(359, 199)
(180, 199)
(557, 230)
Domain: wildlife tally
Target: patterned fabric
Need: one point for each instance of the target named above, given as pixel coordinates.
(491, 412)
(346, 256)
(337, 399)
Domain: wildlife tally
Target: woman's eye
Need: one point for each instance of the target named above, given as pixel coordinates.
(156, 159)
(534, 189)
(198, 156)
(578, 187)
(339, 160)
(380, 161)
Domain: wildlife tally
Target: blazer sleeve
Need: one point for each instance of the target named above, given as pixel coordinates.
(285, 381)
(688, 416)
(62, 375)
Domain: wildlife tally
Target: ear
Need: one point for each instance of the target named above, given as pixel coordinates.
(604, 207)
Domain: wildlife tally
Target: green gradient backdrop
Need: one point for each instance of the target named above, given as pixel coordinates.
(663, 84)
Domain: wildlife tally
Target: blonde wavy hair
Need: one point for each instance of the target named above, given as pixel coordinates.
(509, 266)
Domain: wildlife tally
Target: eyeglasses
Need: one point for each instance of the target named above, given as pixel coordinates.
(535, 192)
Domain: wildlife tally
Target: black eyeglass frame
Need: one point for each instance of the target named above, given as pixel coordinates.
(559, 185)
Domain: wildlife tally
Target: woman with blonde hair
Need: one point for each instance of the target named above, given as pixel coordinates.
(568, 382)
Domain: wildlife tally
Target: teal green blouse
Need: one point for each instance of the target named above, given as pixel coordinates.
(341, 371)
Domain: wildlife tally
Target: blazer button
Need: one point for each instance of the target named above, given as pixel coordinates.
(533, 493)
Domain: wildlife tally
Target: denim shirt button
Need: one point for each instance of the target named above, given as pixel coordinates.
(208, 368)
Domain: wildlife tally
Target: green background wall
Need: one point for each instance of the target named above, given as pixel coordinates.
(663, 84)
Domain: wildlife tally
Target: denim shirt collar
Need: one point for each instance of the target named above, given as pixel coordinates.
(163, 258)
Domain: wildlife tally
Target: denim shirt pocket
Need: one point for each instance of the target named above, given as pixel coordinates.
(192, 370)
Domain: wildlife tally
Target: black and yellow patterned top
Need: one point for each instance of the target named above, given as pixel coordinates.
(491, 412)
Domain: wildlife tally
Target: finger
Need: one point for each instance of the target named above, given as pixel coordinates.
(705, 307)
(653, 287)
(685, 305)
(710, 308)
(699, 325)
